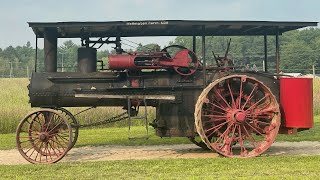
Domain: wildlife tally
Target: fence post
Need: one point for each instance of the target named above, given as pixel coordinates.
(313, 71)
(11, 70)
(28, 72)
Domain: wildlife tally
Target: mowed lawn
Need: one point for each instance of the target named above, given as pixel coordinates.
(275, 167)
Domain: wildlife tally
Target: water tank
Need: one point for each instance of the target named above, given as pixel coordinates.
(296, 101)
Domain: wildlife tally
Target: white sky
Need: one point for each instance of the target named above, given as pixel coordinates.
(15, 14)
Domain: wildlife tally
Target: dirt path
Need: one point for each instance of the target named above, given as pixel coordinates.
(105, 153)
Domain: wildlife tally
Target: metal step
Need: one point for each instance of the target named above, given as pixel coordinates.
(131, 135)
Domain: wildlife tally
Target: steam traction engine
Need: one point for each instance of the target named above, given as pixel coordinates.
(235, 113)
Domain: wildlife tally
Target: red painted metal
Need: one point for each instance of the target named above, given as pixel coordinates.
(233, 111)
(137, 61)
(154, 60)
(296, 100)
(44, 137)
(134, 82)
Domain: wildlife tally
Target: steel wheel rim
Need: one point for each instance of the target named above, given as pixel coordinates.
(50, 139)
(235, 119)
(73, 122)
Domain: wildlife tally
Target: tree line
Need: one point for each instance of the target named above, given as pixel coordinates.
(299, 51)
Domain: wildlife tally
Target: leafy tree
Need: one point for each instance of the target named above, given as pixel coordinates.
(67, 56)
(148, 48)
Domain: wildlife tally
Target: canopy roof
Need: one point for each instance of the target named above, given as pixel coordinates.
(165, 28)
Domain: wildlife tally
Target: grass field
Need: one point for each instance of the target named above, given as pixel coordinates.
(316, 96)
(273, 167)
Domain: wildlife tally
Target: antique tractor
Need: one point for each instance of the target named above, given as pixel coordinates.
(235, 113)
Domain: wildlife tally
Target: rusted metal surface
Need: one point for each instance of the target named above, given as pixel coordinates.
(237, 116)
(44, 137)
(87, 60)
(50, 50)
(184, 62)
(100, 96)
(167, 28)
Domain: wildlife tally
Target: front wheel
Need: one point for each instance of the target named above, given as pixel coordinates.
(44, 137)
(242, 115)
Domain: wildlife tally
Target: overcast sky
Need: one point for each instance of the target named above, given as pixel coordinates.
(14, 14)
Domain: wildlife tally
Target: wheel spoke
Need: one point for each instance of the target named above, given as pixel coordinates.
(59, 143)
(261, 122)
(257, 102)
(231, 94)
(52, 115)
(240, 92)
(41, 121)
(249, 97)
(254, 128)
(225, 133)
(39, 152)
(216, 129)
(59, 122)
(215, 120)
(238, 113)
(52, 147)
(242, 147)
(253, 141)
(223, 109)
(213, 111)
(222, 98)
(214, 116)
(63, 138)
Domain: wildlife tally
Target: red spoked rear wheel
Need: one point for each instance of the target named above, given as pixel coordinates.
(242, 115)
(44, 137)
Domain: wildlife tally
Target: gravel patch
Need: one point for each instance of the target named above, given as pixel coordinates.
(109, 153)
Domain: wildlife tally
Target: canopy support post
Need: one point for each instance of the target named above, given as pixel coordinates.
(265, 62)
(204, 56)
(277, 53)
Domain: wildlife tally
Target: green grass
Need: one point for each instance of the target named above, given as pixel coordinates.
(275, 167)
(105, 136)
(312, 134)
(119, 136)
(13, 102)
(316, 96)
